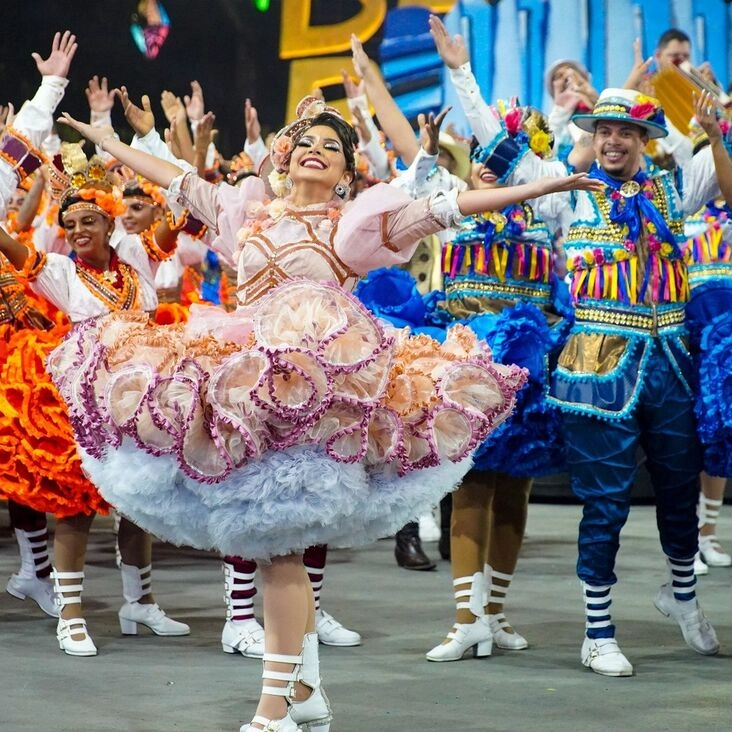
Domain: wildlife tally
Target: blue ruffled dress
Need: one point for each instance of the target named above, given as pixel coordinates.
(709, 320)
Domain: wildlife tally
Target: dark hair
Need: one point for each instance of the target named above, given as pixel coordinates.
(133, 188)
(346, 134)
(672, 34)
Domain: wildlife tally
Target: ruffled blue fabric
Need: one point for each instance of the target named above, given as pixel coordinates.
(530, 443)
(710, 324)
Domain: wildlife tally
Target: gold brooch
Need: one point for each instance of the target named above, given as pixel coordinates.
(109, 277)
(630, 188)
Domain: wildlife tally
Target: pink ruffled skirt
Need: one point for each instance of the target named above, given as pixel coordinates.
(300, 420)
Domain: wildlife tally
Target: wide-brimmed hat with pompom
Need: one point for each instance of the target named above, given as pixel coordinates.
(625, 105)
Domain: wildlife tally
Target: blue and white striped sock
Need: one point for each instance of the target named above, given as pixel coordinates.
(683, 579)
(598, 623)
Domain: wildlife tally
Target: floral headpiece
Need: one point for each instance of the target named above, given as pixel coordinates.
(523, 128)
(240, 166)
(284, 141)
(526, 125)
(625, 105)
(81, 184)
(139, 187)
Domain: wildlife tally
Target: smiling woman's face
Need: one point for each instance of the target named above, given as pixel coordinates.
(87, 233)
(482, 178)
(318, 157)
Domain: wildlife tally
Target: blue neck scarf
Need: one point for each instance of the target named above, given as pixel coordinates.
(632, 207)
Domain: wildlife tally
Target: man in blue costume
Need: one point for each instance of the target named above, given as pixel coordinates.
(623, 378)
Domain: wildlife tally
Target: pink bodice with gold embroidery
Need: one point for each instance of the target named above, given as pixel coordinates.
(301, 243)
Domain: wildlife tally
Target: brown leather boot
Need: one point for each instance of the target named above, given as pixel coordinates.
(408, 549)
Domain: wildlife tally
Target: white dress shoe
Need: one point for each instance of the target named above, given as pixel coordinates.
(243, 636)
(504, 636)
(332, 633)
(700, 566)
(696, 629)
(270, 725)
(83, 646)
(39, 589)
(603, 656)
(152, 616)
(477, 635)
(428, 528)
(711, 551)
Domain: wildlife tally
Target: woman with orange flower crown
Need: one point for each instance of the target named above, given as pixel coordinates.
(297, 419)
(97, 279)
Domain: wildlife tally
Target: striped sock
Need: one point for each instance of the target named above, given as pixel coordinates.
(683, 579)
(598, 622)
(239, 589)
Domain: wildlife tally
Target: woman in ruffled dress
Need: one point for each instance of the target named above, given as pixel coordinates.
(709, 256)
(297, 419)
(96, 280)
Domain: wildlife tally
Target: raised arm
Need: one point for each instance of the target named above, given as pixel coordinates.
(704, 110)
(154, 169)
(494, 199)
(16, 253)
(392, 120)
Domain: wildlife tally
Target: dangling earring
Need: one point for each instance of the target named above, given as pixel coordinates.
(288, 183)
(341, 190)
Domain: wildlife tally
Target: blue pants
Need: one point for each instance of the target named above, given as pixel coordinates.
(602, 457)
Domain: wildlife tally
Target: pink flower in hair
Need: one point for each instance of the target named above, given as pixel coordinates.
(281, 150)
(512, 120)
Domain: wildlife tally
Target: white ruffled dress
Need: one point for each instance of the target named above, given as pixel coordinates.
(299, 419)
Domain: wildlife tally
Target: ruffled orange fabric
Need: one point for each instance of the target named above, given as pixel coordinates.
(168, 313)
(39, 463)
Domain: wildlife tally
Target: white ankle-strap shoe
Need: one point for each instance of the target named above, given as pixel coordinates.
(39, 589)
(152, 616)
(332, 633)
(243, 636)
(83, 646)
(604, 657)
(711, 551)
(270, 725)
(70, 594)
(463, 636)
(696, 629)
(504, 635)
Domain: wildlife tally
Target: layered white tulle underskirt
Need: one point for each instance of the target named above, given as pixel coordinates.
(298, 421)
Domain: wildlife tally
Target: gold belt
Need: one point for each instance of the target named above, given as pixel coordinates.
(651, 322)
(538, 290)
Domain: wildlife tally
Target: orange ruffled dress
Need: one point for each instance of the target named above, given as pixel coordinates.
(298, 419)
(39, 463)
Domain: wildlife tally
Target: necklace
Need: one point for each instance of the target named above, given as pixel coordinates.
(117, 286)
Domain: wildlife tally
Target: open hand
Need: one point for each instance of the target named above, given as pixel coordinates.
(251, 122)
(93, 134)
(429, 130)
(141, 119)
(361, 62)
(452, 49)
(194, 103)
(58, 62)
(574, 182)
(100, 98)
(705, 111)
